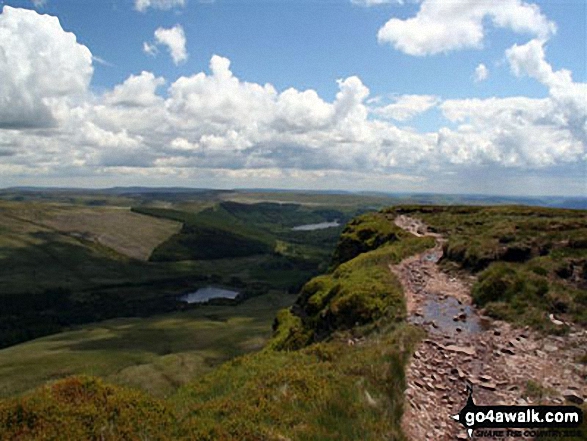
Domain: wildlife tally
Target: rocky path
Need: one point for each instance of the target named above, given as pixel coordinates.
(505, 365)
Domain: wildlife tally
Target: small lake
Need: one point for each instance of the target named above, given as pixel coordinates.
(210, 292)
(320, 226)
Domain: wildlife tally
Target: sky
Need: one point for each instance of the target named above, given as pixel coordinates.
(461, 96)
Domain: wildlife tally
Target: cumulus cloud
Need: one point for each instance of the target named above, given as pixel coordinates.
(521, 131)
(39, 3)
(481, 73)
(143, 5)
(137, 90)
(405, 107)
(444, 26)
(174, 39)
(530, 59)
(212, 127)
(41, 66)
(568, 97)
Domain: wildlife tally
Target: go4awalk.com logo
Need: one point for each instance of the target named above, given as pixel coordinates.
(519, 421)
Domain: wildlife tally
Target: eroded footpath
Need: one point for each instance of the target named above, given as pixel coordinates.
(505, 365)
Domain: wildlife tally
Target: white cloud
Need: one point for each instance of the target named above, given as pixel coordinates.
(101, 61)
(150, 49)
(481, 73)
(137, 90)
(213, 127)
(174, 39)
(529, 59)
(143, 5)
(406, 107)
(521, 131)
(41, 65)
(39, 3)
(443, 26)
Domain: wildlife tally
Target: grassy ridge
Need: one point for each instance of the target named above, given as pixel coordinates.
(359, 291)
(531, 261)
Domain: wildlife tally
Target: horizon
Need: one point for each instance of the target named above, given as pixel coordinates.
(291, 190)
(419, 97)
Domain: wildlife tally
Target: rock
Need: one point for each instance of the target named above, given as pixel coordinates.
(463, 316)
(488, 386)
(497, 332)
(507, 351)
(572, 396)
(555, 321)
(550, 348)
(467, 350)
(485, 378)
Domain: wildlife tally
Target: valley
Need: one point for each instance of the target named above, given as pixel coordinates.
(366, 331)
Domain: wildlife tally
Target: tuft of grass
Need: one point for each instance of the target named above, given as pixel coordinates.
(86, 408)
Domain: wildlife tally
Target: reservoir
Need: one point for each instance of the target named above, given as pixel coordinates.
(320, 226)
(205, 294)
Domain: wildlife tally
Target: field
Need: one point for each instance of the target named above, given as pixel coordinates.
(157, 354)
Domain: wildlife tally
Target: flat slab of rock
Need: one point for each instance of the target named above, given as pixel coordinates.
(467, 350)
(573, 396)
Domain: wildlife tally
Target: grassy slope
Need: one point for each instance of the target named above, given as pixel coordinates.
(156, 354)
(530, 261)
(127, 233)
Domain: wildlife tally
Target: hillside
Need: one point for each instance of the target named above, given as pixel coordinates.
(90, 258)
(341, 357)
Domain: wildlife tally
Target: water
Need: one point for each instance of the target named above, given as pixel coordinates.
(441, 311)
(204, 294)
(320, 226)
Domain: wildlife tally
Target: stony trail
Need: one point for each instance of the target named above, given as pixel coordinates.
(463, 346)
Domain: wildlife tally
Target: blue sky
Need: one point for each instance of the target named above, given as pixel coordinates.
(394, 103)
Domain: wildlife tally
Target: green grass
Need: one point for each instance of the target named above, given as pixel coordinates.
(530, 261)
(156, 354)
(359, 291)
(366, 233)
(328, 391)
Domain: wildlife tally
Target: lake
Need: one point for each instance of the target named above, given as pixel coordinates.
(205, 294)
(320, 226)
